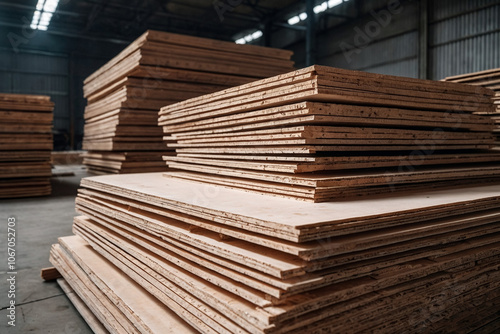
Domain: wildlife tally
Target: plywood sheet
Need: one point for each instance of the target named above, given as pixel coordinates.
(294, 220)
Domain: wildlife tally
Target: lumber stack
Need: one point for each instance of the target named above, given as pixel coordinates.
(159, 69)
(101, 162)
(161, 255)
(25, 145)
(488, 79)
(321, 134)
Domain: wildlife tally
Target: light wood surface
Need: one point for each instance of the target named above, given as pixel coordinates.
(89, 317)
(129, 302)
(296, 221)
(218, 281)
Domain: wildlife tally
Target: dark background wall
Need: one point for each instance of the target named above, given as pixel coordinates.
(56, 66)
(454, 37)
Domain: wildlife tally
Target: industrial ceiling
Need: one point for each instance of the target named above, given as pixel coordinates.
(125, 20)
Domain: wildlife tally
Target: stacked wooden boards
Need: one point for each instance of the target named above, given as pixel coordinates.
(159, 69)
(82, 308)
(25, 145)
(108, 300)
(101, 162)
(489, 79)
(151, 249)
(313, 133)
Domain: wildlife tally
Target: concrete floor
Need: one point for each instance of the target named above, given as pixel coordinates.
(41, 307)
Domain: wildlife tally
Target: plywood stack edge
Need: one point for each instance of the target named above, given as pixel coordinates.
(159, 69)
(25, 145)
(159, 255)
(124, 162)
(321, 133)
(488, 79)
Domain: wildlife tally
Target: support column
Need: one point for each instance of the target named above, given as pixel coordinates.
(310, 34)
(423, 44)
(267, 33)
(71, 100)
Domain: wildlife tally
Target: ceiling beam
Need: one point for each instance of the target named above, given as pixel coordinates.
(140, 20)
(224, 30)
(256, 8)
(68, 34)
(164, 14)
(96, 10)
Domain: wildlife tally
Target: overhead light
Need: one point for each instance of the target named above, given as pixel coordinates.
(250, 37)
(293, 20)
(45, 19)
(317, 9)
(50, 5)
(36, 17)
(333, 3)
(296, 19)
(321, 8)
(257, 34)
(39, 5)
(43, 14)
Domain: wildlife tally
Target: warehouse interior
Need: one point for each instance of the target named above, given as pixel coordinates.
(54, 52)
(424, 39)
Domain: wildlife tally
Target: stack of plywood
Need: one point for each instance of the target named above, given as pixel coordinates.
(66, 157)
(159, 69)
(25, 145)
(489, 79)
(159, 255)
(124, 162)
(322, 133)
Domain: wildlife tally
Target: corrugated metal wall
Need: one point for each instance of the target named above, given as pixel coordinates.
(391, 41)
(463, 37)
(57, 75)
